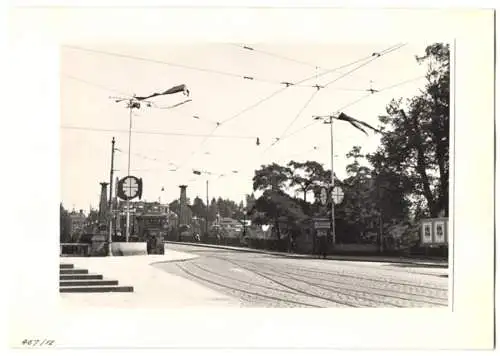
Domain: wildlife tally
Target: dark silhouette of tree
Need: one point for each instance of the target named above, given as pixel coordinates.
(64, 224)
(199, 208)
(306, 176)
(415, 141)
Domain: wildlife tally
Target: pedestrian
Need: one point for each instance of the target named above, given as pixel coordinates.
(323, 245)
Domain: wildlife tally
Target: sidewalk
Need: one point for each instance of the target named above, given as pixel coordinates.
(153, 288)
(389, 259)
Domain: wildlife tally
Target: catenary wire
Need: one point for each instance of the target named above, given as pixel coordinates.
(306, 104)
(343, 75)
(366, 59)
(163, 133)
(356, 101)
(178, 65)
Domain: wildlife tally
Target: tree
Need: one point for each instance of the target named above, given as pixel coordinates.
(175, 206)
(305, 176)
(64, 224)
(274, 205)
(249, 201)
(212, 210)
(199, 208)
(272, 176)
(415, 141)
(93, 219)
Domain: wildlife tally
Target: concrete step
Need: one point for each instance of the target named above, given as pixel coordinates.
(93, 282)
(97, 289)
(66, 265)
(66, 277)
(73, 271)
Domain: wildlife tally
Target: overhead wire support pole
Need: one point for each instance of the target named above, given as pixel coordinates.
(333, 180)
(130, 106)
(206, 218)
(110, 205)
(133, 103)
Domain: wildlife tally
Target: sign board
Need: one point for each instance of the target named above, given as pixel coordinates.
(439, 236)
(337, 195)
(322, 224)
(434, 231)
(427, 232)
(129, 188)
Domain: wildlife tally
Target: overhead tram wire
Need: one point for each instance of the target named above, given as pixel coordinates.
(366, 58)
(343, 75)
(252, 106)
(323, 73)
(102, 87)
(293, 121)
(218, 72)
(356, 101)
(248, 48)
(183, 66)
(162, 133)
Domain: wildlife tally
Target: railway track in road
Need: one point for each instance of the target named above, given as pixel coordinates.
(230, 289)
(284, 283)
(335, 286)
(363, 276)
(395, 298)
(288, 289)
(355, 300)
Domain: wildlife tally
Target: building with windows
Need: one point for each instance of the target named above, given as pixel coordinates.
(77, 224)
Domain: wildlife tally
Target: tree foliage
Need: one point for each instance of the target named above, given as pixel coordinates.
(64, 224)
(415, 143)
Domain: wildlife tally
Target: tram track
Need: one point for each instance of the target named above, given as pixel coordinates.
(228, 287)
(411, 297)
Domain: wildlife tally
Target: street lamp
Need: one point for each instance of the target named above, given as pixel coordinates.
(198, 173)
(135, 103)
(244, 222)
(328, 119)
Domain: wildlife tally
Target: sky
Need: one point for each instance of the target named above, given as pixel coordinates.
(90, 79)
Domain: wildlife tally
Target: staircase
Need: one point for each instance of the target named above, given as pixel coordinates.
(73, 280)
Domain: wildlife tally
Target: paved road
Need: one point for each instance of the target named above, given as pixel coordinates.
(260, 280)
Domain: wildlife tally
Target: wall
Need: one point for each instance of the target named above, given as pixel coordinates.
(129, 248)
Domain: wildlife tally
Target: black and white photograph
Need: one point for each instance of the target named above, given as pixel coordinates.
(220, 160)
(244, 174)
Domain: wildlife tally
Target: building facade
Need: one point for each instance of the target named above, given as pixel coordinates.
(77, 224)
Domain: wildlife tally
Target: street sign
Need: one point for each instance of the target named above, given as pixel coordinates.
(323, 196)
(337, 195)
(129, 188)
(321, 224)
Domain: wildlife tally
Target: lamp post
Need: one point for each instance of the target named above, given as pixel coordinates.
(198, 173)
(358, 124)
(135, 103)
(329, 120)
(132, 104)
(110, 207)
(244, 222)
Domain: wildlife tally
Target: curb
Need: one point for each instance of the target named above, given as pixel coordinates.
(169, 261)
(401, 260)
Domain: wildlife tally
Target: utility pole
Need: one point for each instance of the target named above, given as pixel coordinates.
(329, 120)
(206, 220)
(135, 103)
(131, 105)
(111, 197)
(333, 181)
